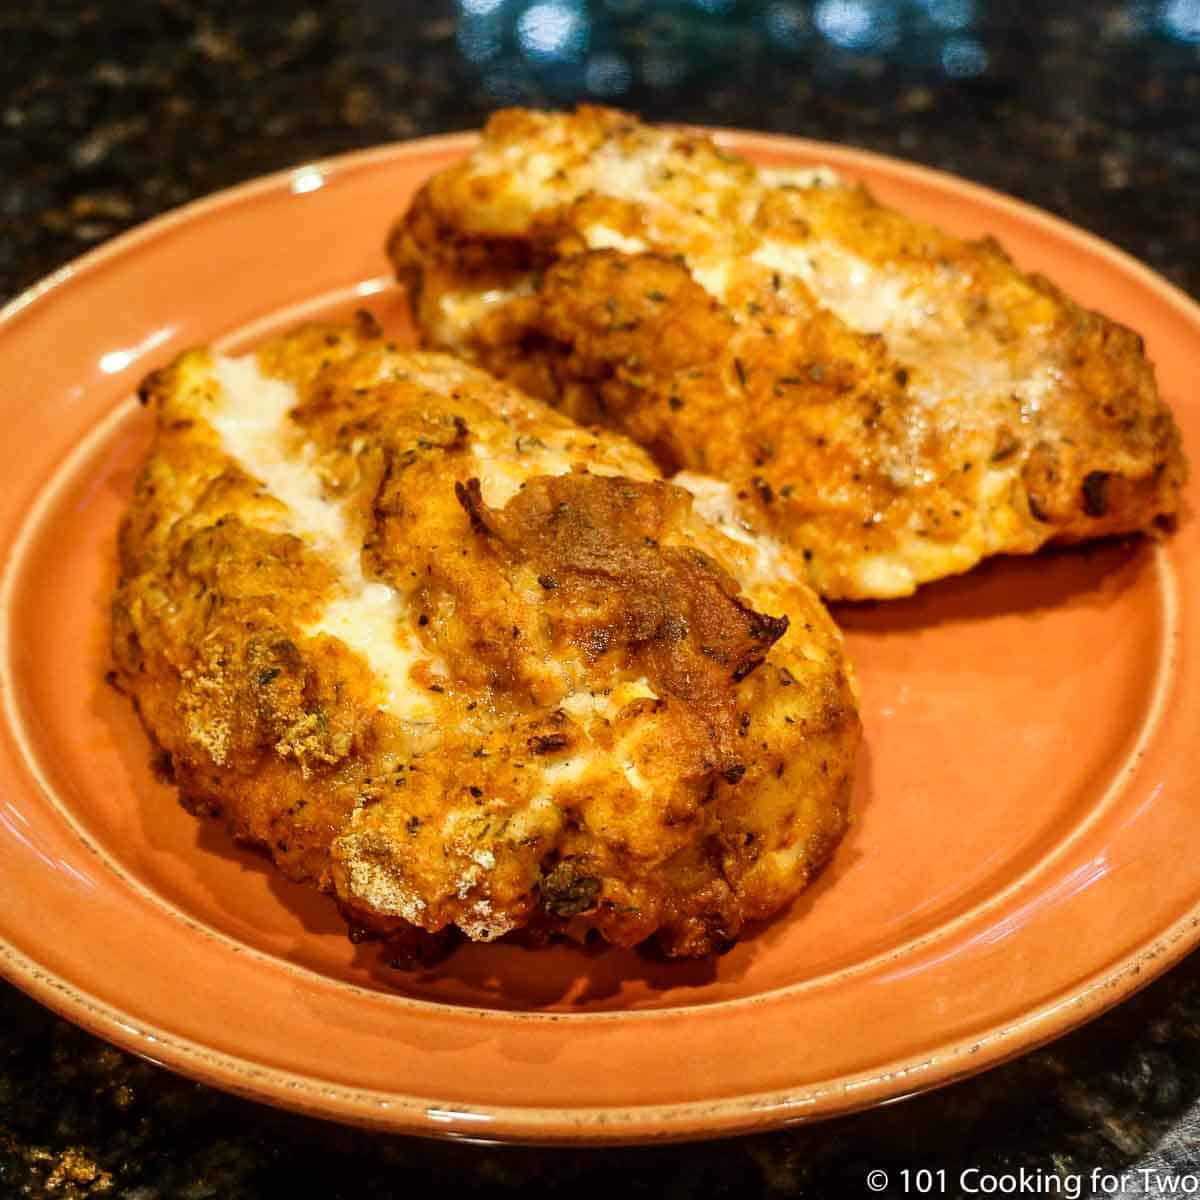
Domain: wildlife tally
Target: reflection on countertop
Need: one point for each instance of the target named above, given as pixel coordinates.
(112, 113)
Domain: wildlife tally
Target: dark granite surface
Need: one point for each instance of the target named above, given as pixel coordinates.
(112, 112)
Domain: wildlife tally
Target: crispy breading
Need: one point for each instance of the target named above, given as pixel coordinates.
(894, 403)
(466, 665)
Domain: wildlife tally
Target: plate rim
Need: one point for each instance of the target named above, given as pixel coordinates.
(611, 1124)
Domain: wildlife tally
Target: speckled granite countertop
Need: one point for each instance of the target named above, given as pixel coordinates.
(112, 112)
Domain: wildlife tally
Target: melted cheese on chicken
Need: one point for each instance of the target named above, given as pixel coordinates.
(370, 618)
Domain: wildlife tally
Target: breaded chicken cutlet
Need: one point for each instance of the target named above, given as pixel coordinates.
(466, 665)
(893, 403)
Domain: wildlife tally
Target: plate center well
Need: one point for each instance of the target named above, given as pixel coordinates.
(999, 708)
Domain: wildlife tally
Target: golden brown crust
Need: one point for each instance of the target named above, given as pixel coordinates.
(893, 402)
(597, 728)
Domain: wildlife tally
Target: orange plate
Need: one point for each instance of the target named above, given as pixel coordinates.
(1022, 853)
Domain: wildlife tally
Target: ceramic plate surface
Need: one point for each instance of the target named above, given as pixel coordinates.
(1022, 851)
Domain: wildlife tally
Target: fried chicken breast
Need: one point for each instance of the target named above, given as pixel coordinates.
(469, 666)
(893, 403)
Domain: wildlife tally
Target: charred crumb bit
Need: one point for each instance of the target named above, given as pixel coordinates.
(745, 668)
(765, 491)
(567, 894)
(767, 629)
(786, 678)
(744, 724)
(655, 296)
(548, 743)
(548, 582)
(749, 838)
(423, 619)
(1095, 493)
(779, 771)
(145, 392)
(470, 496)
(268, 676)
(114, 681)
(734, 774)
(480, 753)
(740, 369)
(675, 403)
(475, 791)
(1006, 445)
(776, 282)
(901, 376)
(366, 323)
(436, 687)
